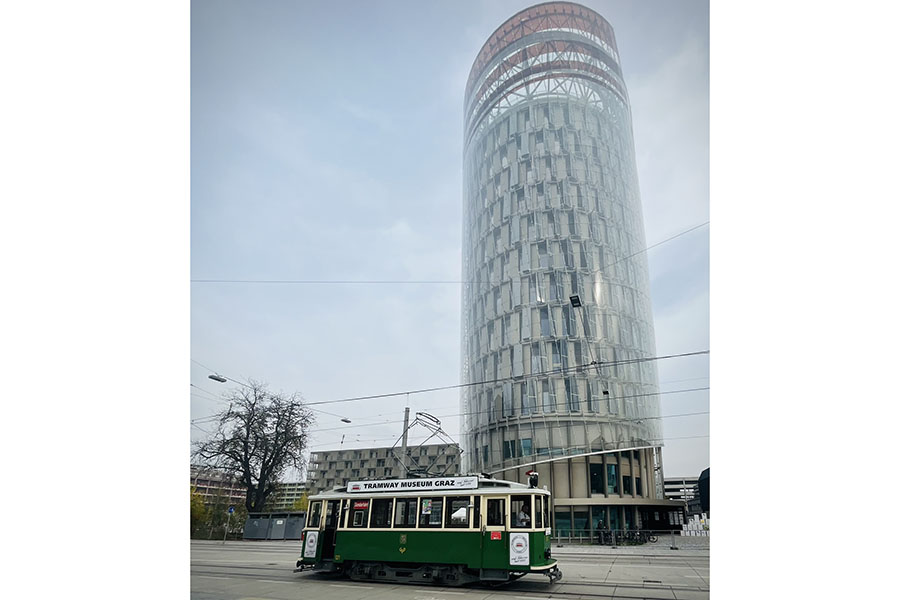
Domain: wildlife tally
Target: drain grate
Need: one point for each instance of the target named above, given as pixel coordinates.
(652, 581)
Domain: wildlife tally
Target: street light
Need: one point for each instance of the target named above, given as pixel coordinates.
(218, 378)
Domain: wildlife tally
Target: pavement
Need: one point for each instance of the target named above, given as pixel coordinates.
(685, 546)
(264, 571)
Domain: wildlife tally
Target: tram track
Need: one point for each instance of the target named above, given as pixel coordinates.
(591, 588)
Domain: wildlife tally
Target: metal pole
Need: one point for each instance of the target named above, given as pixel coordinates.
(405, 428)
(226, 528)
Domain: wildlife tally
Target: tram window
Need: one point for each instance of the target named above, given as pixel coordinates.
(430, 512)
(405, 513)
(546, 512)
(457, 511)
(538, 512)
(381, 512)
(359, 513)
(315, 514)
(332, 512)
(496, 511)
(520, 511)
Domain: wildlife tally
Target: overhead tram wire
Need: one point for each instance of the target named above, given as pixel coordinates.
(464, 414)
(212, 418)
(417, 282)
(518, 378)
(575, 368)
(322, 447)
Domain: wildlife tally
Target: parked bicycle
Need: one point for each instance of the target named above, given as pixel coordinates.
(631, 537)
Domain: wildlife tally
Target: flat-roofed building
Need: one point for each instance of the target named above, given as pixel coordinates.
(330, 468)
(681, 489)
(286, 495)
(217, 487)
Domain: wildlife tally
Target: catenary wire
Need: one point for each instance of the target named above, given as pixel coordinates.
(564, 414)
(512, 378)
(662, 439)
(557, 371)
(465, 414)
(621, 420)
(536, 414)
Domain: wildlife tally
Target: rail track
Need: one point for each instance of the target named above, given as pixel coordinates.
(524, 588)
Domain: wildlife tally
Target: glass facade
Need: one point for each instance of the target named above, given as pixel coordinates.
(551, 209)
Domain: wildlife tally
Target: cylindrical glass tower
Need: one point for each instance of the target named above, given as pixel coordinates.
(552, 210)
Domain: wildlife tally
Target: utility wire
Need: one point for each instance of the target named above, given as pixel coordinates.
(622, 420)
(556, 371)
(657, 244)
(320, 448)
(534, 414)
(237, 381)
(201, 429)
(447, 281)
(511, 378)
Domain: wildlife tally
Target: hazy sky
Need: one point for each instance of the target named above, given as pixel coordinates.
(326, 144)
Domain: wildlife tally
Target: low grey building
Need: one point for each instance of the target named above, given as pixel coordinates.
(681, 488)
(330, 468)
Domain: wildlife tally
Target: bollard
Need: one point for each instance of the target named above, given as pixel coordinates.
(673, 546)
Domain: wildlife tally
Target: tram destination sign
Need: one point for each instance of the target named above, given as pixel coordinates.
(413, 485)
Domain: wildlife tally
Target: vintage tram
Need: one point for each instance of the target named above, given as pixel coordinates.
(447, 530)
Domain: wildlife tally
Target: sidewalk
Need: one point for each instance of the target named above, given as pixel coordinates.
(687, 546)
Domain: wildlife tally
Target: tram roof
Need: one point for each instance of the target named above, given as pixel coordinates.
(486, 485)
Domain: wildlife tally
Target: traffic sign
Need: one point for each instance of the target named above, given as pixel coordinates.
(230, 509)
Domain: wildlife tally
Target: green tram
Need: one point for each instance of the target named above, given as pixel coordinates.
(447, 530)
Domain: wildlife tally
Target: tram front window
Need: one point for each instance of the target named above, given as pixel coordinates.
(496, 511)
(332, 512)
(315, 515)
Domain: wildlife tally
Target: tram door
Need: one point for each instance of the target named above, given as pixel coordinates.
(329, 536)
(494, 542)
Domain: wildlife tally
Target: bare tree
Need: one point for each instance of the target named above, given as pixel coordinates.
(257, 439)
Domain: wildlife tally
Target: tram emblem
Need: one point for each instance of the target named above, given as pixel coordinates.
(312, 539)
(518, 549)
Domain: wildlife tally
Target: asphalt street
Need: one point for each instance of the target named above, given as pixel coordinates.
(264, 571)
